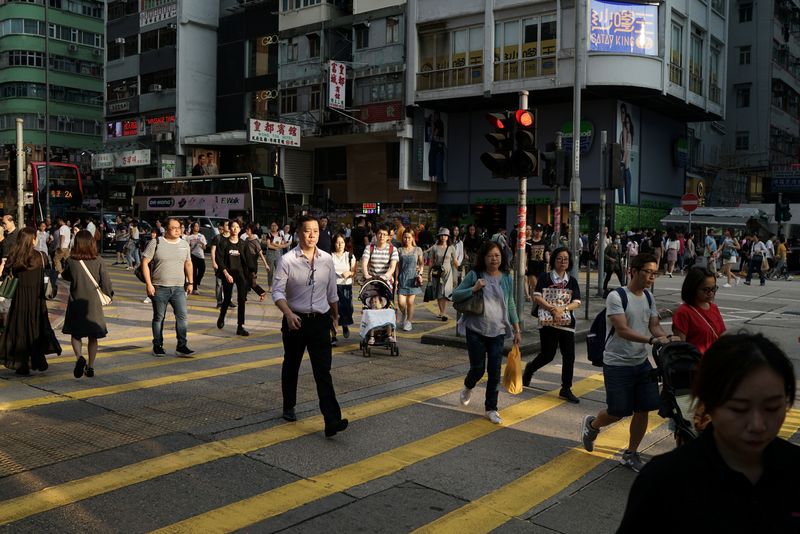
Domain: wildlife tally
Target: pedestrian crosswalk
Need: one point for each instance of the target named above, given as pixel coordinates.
(421, 425)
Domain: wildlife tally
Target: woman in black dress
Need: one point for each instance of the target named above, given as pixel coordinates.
(84, 317)
(28, 336)
(233, 269)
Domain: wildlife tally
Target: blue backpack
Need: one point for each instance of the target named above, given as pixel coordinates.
(597, 338)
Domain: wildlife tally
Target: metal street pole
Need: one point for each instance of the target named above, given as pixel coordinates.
(46, 109)
(554, 240)
(575, 183)
(20, 176)
(522, 219)
(601, 235)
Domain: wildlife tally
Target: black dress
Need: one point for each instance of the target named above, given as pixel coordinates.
(84, 316)
(28, 335)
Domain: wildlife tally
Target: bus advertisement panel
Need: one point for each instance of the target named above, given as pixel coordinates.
(222, 195)
(64, 184)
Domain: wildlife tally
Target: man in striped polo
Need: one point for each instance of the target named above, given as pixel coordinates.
(380, 259)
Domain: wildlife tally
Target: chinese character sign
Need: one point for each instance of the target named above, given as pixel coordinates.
(623, 28)
(337, 76)
(274, 133)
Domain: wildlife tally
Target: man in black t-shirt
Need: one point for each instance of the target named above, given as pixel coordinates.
(325, 236)
(538, 253)
(358, 237)
(223, 233)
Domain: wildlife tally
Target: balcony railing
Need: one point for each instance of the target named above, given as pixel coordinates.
(715, 93)
(516, 69)
(452, 77)
(676, 74)
(696, 83)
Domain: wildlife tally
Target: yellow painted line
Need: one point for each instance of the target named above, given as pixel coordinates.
(255, 509)
(512, 500)
(121, 477)
(790, 425)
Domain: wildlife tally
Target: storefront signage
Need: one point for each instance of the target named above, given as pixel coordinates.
(212, 205)
(337, 77)
(126, 128)
(273, 133)
(153, 11)
(132, 158)
(587, 136)
(371, 208)
(786, 180)
(119, 107)
(103, 161)
(623, 28)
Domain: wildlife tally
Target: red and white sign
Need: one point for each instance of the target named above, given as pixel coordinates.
(274, 133)
(337, 77)
(689, 202)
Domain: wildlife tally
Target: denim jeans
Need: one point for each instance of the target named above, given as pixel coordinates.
(176, 297)
(133, 256)
(482, 348)
(755, 266)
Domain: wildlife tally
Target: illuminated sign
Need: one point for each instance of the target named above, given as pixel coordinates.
(371, 208)
(623, 28)
(161, 119)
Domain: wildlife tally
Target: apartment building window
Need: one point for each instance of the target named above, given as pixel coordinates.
(117, 10)
(714, 90)
(696, 62)
(743, 96)
(156, 82)
(745, 12)
(259, 55)
(361, 36)
(392, 30)
(121, 89)
(525, 48)
(744, 55)
(261, 104)
(718, 6)
(313, 44)
(288, 101)
(291, 50)
(450, 58)
(742, 140)
(315, 102)
(676, 54)
(384, 88)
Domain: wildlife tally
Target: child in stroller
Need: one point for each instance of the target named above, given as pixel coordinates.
(377, 318)
(677, 364)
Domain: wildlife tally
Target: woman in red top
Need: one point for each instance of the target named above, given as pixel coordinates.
(698, 320)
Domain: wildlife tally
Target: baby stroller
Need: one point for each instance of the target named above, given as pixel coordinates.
(677, 364)
(378, 314)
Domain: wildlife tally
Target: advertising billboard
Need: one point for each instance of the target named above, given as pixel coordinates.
(205, 161)
(623, 28)
(628, 128)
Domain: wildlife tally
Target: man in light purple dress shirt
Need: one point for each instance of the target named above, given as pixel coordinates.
(304, 289)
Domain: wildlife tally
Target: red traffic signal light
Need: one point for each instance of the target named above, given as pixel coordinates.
(524, 118)
(498, 121)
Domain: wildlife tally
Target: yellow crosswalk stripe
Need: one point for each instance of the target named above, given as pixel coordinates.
(91, 486)
(790, 425)
(290, 496)
(512, 500)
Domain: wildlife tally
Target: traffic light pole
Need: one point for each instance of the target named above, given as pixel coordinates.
(601, 235)
(555, 240)
(575, 183)
(522, 220)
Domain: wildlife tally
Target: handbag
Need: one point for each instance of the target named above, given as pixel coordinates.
(139, 271)
(430, 293)
(512, 375)
(472, 305)
(9, 287)
(764, 264)
(50, 280)
(105, 300)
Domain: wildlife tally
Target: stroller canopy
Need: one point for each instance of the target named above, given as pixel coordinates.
(375, 288)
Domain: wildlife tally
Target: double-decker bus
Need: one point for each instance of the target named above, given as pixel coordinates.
(221, 195)
(63, 183)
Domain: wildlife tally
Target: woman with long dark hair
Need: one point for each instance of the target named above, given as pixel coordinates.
(84, 317)
(486, 333)
(698, 320)
(233, 269)
(28, 336)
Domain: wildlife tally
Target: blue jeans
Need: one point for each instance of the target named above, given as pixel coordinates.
(755, 266)
(482, 348)
(133, 256)
(176, 297)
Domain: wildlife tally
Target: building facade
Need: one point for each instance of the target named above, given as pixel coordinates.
(649, 70)
(67, 121)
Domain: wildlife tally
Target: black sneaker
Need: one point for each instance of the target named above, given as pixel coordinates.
(89, 372)
(569, 396)
(221, 322)
(333, 429)
(289, 415)
(527, 375)
(333, 341)
(80, 365)
(242, 332)
(159, 351)
(183, 351)
(345, 332)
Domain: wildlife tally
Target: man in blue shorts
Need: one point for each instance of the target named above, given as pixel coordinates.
(630, 389)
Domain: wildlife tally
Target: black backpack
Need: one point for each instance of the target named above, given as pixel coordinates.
(646, 246)
(597, 338)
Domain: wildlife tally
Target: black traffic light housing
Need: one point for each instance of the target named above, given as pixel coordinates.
(615, 178)
(498, 161)
(548, 165)
(783, 212)
(563, 167)
(525, 158)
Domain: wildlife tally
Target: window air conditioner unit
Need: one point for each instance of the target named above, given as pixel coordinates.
(155, 88)
(73, 47)
(119, 40)
(97, 52)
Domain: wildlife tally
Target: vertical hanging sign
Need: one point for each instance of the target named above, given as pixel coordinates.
(336, 84)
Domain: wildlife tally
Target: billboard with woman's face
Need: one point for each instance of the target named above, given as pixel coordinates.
(628, 134)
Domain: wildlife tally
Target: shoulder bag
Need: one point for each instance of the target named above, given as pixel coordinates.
(472, 305)
(105, 300)
(50, 280)
(710, 328)
(9, 287)
(139, 271)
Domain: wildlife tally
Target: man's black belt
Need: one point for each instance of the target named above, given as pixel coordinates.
(312, 315)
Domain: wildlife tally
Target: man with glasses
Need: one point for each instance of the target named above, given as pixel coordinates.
(11, 233)
(167, 269)
(633, 325)
(304, 290)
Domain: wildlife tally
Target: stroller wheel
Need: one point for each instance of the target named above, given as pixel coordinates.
(367, 352)
(395, 350)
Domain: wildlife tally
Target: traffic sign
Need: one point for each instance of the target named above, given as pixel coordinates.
(689, 202)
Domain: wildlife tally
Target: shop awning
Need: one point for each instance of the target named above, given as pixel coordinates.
(705, 220)
(232, 138)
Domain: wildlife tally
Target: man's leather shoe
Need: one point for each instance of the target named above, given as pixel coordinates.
(339, 426)
(289, 415)
(569, 396)
(527, 375)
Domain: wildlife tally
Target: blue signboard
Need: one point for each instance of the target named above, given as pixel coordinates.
(623, 28)
(786, 180)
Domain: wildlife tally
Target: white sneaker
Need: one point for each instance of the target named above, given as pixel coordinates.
(738, 280)
(494, 417)
(466, 396)
(726, 285)
(147, 300)
(407, 326)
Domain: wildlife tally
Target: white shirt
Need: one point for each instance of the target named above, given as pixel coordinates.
(770, 249)
(41, 245)
(91, 228)
(459, 246)
(64, 236)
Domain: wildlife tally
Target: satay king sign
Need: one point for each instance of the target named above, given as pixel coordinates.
(336, 85)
